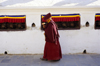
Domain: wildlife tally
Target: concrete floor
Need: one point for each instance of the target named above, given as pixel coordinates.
(34, 60)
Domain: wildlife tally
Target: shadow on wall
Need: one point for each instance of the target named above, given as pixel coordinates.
(80, 2)
(12, 2)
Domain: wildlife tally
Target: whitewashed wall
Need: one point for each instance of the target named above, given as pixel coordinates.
(31, 41)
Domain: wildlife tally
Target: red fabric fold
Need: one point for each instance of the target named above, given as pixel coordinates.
(97, 18)
(2, 21)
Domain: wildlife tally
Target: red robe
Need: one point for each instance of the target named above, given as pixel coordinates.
(52, 50)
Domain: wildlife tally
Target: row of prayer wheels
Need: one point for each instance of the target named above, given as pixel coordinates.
(12, 25)
(67, 24)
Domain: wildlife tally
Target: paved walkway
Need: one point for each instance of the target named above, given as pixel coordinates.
(34, 60)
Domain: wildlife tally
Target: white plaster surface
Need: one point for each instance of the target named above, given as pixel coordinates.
(32, 41)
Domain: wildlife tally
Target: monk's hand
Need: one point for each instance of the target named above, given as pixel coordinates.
(43, 25)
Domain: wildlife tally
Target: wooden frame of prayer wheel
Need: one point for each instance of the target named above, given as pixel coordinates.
(65, 21)
(12, 22)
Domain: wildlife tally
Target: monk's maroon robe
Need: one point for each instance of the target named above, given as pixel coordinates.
(52, 49)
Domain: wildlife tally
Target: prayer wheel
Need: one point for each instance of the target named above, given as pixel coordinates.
(3, 26)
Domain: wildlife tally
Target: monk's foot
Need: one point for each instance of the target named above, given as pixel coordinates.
(54, 60)
(57, 60)
(43, 59)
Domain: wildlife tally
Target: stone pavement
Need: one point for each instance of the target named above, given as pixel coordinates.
(34, 60)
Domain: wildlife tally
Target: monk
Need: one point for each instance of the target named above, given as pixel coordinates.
(52, 49)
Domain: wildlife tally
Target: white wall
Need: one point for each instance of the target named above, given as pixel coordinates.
(31, 41)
